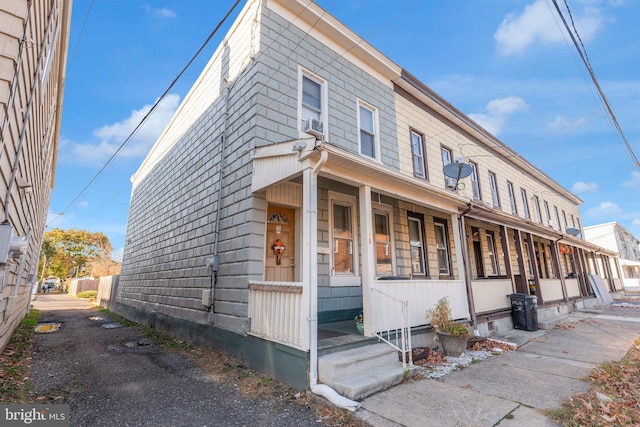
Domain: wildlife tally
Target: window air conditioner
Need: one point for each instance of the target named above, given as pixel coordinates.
(450, 183)
(550, 223)
(314, 127)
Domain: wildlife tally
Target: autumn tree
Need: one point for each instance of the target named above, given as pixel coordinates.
(67, 253)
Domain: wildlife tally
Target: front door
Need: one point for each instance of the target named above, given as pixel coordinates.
(280, 250)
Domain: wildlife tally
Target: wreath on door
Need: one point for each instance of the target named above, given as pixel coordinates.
(278, 249)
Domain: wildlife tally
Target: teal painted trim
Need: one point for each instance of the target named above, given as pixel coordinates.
(277, 361)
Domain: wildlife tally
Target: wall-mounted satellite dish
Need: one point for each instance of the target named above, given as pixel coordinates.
(573, 231)
(457, 171)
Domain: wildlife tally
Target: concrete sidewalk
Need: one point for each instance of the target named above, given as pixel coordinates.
(512, 389)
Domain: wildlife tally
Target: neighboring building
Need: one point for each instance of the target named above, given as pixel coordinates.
(615, 237)
(301, 182)
(34, 38)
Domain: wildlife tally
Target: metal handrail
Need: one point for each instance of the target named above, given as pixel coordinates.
(390, 323)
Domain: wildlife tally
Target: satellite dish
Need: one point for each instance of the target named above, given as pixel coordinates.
(457, 170)
(573, 231)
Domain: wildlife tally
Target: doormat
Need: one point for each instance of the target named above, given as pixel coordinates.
(326, 333)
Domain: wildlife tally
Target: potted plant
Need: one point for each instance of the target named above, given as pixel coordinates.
(360, 323)
(452, 336)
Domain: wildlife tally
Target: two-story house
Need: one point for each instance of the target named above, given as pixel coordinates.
(302, 181)
(615, 237)
(34, 37)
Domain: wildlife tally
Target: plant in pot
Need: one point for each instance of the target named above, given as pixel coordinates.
(452, 336)
(360, 323)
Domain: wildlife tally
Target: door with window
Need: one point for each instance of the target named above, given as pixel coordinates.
(280, 263)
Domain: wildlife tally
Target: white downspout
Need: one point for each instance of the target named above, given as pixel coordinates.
(319, 389)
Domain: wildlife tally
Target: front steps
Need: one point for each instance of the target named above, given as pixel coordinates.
(360, 372)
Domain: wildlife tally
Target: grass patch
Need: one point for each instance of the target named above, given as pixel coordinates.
(89, 295)
(15, 361)
(612, 398)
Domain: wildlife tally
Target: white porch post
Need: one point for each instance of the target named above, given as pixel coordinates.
(309, 267)
(368, 245)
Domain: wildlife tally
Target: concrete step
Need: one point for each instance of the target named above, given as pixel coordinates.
(360, 372)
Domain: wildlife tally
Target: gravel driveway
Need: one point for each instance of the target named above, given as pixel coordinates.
(112, 376)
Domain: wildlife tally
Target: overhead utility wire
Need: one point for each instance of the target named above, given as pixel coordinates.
(155, 105)
(595, 82)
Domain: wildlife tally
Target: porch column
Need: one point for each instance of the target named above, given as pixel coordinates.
(506, 252)
(309, 267)
(368, 254)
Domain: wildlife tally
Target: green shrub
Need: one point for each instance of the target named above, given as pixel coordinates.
(90, 295)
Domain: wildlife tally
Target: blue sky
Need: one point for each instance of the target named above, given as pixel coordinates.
(508, 64)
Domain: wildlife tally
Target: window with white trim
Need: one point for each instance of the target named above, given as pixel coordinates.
(491, 244)
(367, 124)
(475, 185)
(418, 156)
(493, 184)
(512, 198)
(384, 251)
(555, 208)
(548, 212)
(442, 246)
(416, 244)
(536, 202)
(525, 203)
(447, 156)
(343, 240)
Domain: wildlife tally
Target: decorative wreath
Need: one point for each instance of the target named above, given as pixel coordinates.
(566, 249)
(278, 247)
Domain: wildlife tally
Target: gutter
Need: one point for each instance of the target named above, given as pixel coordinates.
(319, 389)
(467, 267)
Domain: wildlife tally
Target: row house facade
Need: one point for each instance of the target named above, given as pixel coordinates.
(301, 182)
(34, 38)
(616, 237)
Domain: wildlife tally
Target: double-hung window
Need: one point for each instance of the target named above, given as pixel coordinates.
(493, 183)
(475, 185)
(343, 240)
(312, 100)
(447, 157)
(548, 212)
(525, 203)
(442, 246)
(512, 198)
(555, 208)
(416, 245)
(367, 125)
(418, 156)
(384, 250)
(536, 202)
(491, 244)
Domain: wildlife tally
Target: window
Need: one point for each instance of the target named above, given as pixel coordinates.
(367, 125)
(548, 212)
(525, 203)
(536, 202)
(564, 217)
(442, 246)
(417, 153)
(555, 208)
(512, 199)
(382, 231)
(475, 185)
(573, 221)
(342, 238)
(416, 244)
(493, 183)
(50, 42)
(312, 100)
(447, 155)
(491, 244)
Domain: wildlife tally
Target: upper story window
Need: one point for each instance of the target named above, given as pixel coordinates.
(475, 185)
(564, 218)
(573, 221)
(312, 100)
(512, 198)
(493, 183)
(447, 157)
(418, 155)
(548, 212)
(536, 202)
(416, 244)
(367, 124)
(555, 208)
(525, 203)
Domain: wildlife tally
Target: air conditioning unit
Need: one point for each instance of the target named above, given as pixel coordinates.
(314, 127)
(550, 223)
(450, 183)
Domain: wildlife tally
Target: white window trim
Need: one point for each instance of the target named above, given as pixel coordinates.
(422, 247)
(325, 103)
(344, 279)
(387, 210)
(376, 130)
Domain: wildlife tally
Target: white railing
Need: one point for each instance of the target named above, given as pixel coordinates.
(275, 312)
(390, 322)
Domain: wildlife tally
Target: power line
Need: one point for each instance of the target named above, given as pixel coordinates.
(583, 55)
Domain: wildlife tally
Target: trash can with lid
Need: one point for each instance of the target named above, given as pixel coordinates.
(524, 311)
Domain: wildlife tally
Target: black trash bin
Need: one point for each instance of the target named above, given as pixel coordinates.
(524, 312)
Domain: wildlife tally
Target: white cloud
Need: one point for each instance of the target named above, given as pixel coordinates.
(538, 23)
(562, 123)
(634, 182)
(604, 209)
(636, 221)
(584, 187)
(162, 12)
(83, 204)
(113, 136)
(495, 113)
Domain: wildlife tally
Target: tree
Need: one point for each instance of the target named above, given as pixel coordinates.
(69, 253)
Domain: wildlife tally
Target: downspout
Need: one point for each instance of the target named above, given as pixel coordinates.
(213, 263)
(467, 268)
(319, 389)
